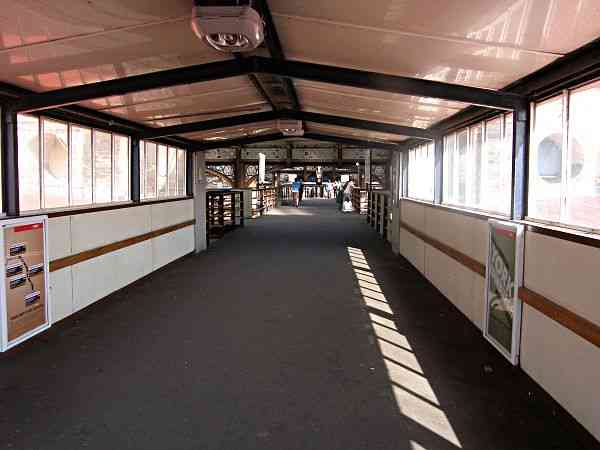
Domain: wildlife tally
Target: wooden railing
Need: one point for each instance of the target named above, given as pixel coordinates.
(224, 212)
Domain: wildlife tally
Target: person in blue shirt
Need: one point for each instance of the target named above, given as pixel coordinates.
(296, 186)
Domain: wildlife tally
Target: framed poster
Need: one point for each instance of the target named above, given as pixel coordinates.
(504, 276)
(24, 303)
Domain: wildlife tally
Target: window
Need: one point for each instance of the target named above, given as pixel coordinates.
(161, 167)
(120, 188)
(564, 166)
(150, 184)
(28, 136)
(102, 167)
(163, 171)
(477, 164)
(81, 166)
(181, 163)
(62, 165)
(421, 172)
(172, 172)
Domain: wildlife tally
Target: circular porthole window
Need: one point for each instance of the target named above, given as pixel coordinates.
(549, 161)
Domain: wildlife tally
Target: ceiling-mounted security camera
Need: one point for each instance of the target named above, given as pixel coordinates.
(290, 127)
(236, 28)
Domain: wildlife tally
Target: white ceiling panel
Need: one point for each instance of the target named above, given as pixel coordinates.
(490, 62)
(366, 104)
(190, 103)
(223, 134)
(532, 26)
(354, 133)
(51, 45)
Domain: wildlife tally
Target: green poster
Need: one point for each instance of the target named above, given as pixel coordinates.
(502, 322)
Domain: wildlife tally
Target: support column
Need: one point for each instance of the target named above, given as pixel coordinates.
(10, 164)
(520, 162)
(238, 169)
(135, 170)
(395, 195)
(189, 170)
(197, 177)
(438, 185)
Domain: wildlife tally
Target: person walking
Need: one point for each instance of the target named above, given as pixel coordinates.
(296, 186)
(301, 193)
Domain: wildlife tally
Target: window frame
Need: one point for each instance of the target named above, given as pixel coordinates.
(157, 196)
(470, 160)
(426, 147)
(40, 152)
(565, 96)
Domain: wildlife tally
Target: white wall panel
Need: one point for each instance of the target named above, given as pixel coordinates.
(171, 213)
(168, 247)
(61, 294)
(577, 286)
(414, 214)
(412, 248)
(97, 277)
(565, 365)
(105, 227)
(59, 237)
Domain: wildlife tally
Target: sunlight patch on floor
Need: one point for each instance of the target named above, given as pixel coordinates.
(413, 393)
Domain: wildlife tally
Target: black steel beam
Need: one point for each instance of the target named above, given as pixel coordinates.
(202, 146)
(135, 171)
(287, 114)
(388, 83)
(521, 123)
(360, 124)
(189, 173)
(350, 141)
(10, 164)
(135, 83)
(275, 49)
(206, 125)
(256, 83)
(87, 117)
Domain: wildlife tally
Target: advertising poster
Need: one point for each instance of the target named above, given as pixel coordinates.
(504, 273)
(25, 309)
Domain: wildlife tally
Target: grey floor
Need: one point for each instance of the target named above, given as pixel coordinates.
(300, 331)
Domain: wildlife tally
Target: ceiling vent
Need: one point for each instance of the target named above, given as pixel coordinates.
(228, 28)
(290, 127)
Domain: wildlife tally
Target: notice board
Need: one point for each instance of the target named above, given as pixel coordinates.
(25, 305)
(504, 276)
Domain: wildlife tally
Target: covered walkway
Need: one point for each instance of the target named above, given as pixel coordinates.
(300, 331)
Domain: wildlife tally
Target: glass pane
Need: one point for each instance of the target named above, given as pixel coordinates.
(162, 171)
(448, 174)
(102, 167)
(462, 142)
(546, 161)
(56, 164)
(28, 134)
(120, 168)
(181, 160)
(496, 179)
(475, 158)
(150, 183)
(583, 196)
(142, 169)
(81, 165)
(172, 172)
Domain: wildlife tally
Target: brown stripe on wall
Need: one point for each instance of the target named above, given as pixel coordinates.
(70, 260)
(465, 260)
(568, 319)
